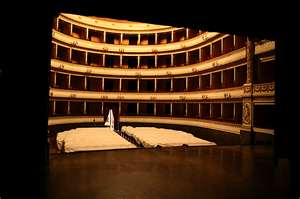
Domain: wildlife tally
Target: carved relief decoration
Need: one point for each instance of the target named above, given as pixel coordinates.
(182, 97)
(264, 89)
(204, 97)
(152, 98)
(72, 95)
(227, 95)
(74, 43)
(246, 113)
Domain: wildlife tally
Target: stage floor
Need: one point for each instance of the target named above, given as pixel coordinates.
(212, 172)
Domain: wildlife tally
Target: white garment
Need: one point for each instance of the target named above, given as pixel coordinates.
(110, 120)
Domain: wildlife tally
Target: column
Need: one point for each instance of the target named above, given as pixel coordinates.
(210, 80)
(171, 109)
(222, 46)
(210, 110)
(187, 33)
(154, 107)
(138, 85)
(187, 58)
(87, 34)
(222, 109)
(155, 85)
(186, 109)
(120, 84)
(222, 78)
(234, 76)
(234, 104)
(139, 39)
(172, 59)
(172, 36)
(199, 82)
(234, 41)
(103, 84)
(54, 79)
(104, 37)
(121, 38)
(247, 133)
(199, 113)
(54, 107)
(137, 108)
(55, 53)
(155, 61)
(85, 82)
(250, 60)
(138, 61)
(69, 81)
(121, 61)
(155, 38)
(210, 53)
(186, 83)
(70, 54)
(84, 107)
(103, 60)
(86, 57)
(199, 54)
(172, 79)
(102, 108)
(68, 110)
(71, 31)
(120, 106)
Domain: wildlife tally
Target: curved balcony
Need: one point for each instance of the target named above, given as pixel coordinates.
(138, 49)
(233, 56)
(112, 25)
(216, 94)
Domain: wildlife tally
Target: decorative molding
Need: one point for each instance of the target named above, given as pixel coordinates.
(61, 66)
(182, 97)
(204, 97)
(169, 73)
(74, 43)
(266, 89)
(227, 95)
(153, 98)
(72, 95)
(103, 97)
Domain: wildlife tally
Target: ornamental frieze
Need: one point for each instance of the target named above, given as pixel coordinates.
(72, 95)
(74, 43)
(169, 73)
(153, 98)
(204, 96)
(182, 97)
(247, 89)
(227, 95)
(264, 89)
(61, 66)
(120, 97)
(194, 70)
(104, 97)
(154, 50)
(88, 71)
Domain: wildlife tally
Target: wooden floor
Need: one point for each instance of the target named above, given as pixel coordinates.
(183, 172)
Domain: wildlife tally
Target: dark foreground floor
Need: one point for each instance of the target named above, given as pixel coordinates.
(193, 172)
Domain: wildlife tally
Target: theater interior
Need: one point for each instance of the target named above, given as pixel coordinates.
(148, 102)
